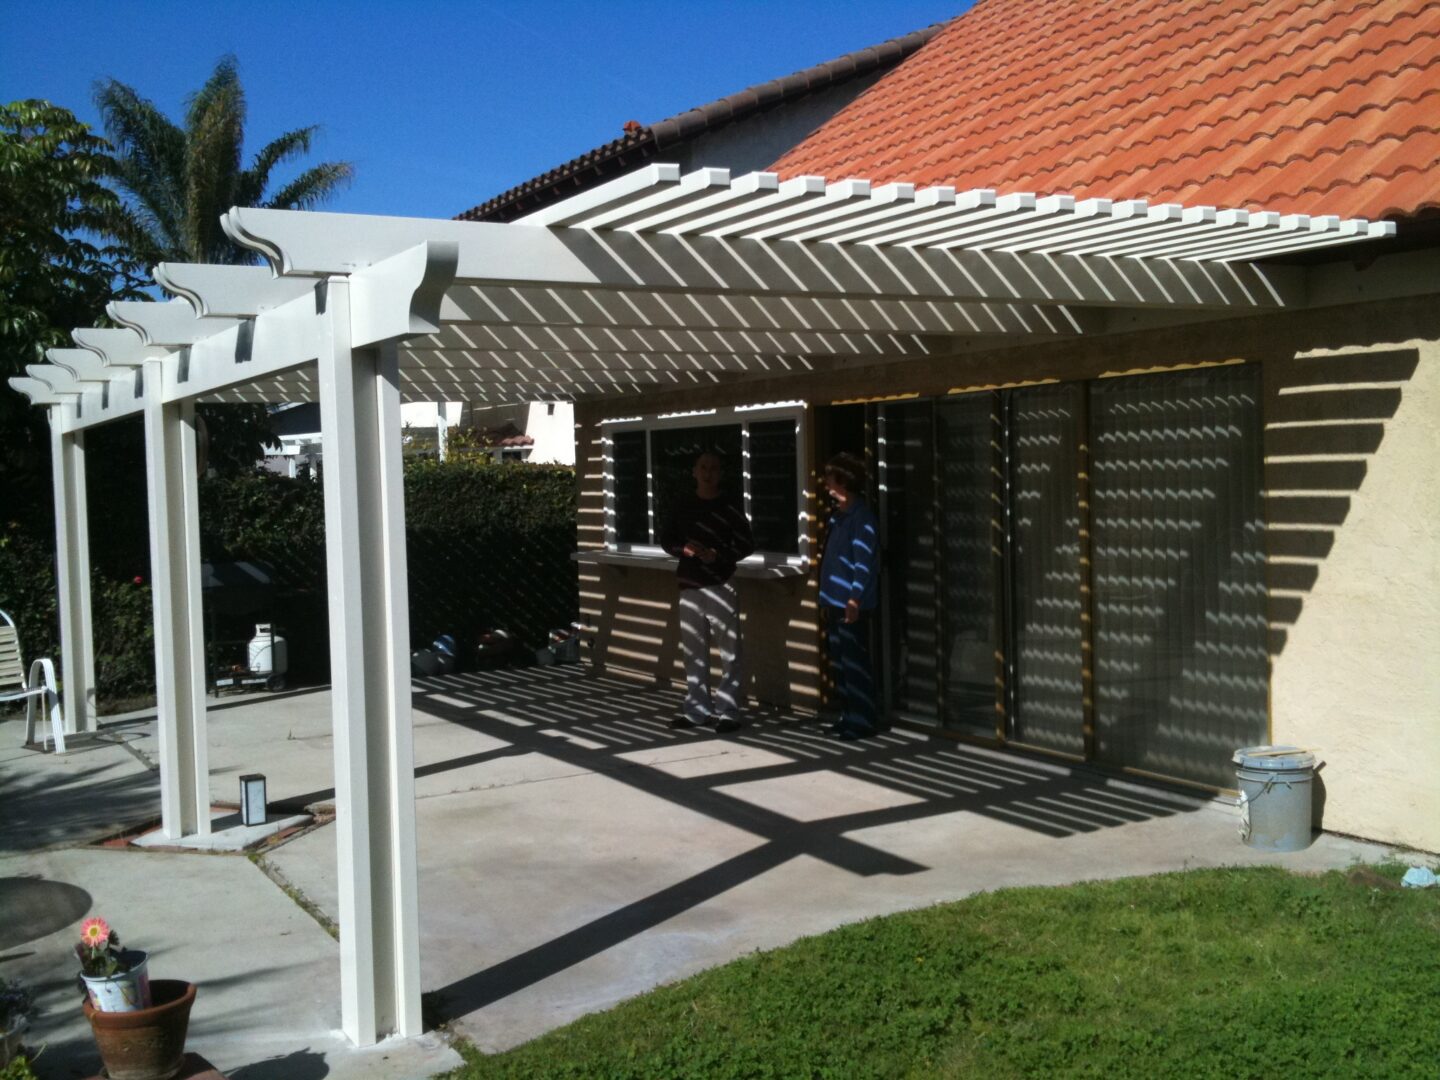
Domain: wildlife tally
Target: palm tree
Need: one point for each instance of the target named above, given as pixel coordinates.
(178, 181)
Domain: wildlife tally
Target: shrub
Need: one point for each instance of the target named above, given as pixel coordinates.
(124, 625)
(489, 544)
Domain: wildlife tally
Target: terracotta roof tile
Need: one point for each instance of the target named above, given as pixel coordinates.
(1317, 106)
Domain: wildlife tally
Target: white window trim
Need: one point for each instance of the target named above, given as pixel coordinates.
(723, 417)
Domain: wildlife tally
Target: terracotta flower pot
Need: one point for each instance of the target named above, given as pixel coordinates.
(147, 1044)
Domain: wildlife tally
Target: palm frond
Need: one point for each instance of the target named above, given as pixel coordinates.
(135, 229)
(313, 186)
(214, 134)
(251, 184)
(150, 159)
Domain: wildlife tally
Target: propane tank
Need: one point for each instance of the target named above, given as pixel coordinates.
(267, 653)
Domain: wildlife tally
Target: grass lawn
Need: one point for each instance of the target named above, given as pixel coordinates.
(1225, 973)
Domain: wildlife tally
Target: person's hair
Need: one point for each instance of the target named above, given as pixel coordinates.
(709, 451)
(849, 469)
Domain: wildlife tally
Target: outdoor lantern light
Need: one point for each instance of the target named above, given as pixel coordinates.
(252, 799)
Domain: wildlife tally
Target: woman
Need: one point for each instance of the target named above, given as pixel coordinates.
(849, 590)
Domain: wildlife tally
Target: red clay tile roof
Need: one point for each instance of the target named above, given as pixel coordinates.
(1329, 107)
(641, 144)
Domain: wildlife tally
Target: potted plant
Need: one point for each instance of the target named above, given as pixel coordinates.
(17, 1005)
(138, 1028)
(115, 979)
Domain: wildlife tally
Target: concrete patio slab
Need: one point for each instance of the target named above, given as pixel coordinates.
(573, 851)
(639, 855)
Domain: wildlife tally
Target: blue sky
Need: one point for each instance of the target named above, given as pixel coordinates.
(440, 105)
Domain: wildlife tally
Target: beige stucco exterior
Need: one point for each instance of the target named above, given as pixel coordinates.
(1356, 656)
(1352, 448)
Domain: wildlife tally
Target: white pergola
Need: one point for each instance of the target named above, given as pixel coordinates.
(653, 282)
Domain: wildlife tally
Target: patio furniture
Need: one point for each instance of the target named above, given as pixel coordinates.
(39, 687)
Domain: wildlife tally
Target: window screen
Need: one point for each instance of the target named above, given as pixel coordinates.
(672, 455)
(627, 450)
(774, 505)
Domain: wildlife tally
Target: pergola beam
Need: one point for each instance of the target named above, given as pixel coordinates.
(172, 322)
(117, 347)
(600, 309)
(239, 292)
(519, 255)
(590, 339)
(460, 361)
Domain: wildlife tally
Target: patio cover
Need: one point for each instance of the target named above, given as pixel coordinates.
(653, 282)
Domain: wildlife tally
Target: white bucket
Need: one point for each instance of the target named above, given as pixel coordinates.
(262, 658)
(127, 991)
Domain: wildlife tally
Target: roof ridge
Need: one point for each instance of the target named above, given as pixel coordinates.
(798, 83)
(648, 140)
(1038, 99)
(975, 158)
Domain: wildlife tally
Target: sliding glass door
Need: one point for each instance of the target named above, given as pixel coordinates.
(1181, 671)
(1080, 568)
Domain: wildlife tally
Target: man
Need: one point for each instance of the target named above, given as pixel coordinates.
(709, 533)
(849, 590)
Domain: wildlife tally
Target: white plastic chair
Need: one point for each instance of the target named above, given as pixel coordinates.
(39, 688)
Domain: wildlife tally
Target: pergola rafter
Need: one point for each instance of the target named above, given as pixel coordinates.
(655, 282)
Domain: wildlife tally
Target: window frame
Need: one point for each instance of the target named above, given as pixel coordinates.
(727, 416)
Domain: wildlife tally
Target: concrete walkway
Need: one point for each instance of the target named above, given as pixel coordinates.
(268, 973)
(573, 852)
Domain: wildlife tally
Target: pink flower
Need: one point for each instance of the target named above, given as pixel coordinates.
(139, 580)
(94, 933)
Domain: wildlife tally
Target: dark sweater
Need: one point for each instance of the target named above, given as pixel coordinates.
(717, 523)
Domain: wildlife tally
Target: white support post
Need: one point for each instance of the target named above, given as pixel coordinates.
(173, 491)
(370, 680)
(72, 576)
(442, 431)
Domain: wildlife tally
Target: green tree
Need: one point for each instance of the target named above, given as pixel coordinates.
(56, 269)
(177, 181)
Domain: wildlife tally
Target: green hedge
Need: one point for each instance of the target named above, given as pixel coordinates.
(489, 545)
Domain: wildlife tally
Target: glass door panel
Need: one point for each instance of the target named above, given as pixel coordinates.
(971, 519)
(907, 482)
(1181, 675)
(1047, 687)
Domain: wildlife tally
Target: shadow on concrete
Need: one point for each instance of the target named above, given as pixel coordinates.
(589, 721)
(45, 807)
(304, 1064)
(32, 907)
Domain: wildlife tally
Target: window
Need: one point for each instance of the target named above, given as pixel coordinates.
(648, 465)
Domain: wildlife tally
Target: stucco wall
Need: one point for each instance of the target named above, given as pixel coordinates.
(1353, 474)
(1352, 446)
